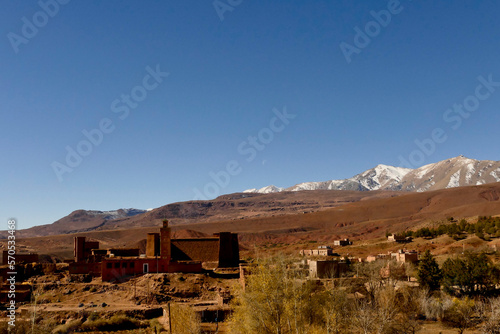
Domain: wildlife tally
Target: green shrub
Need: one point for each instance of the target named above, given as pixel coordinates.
(68, 327)
(116, 322)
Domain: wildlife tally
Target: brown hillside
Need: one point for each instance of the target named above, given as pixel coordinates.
(361, 220)
(371, 218)
(226, 207)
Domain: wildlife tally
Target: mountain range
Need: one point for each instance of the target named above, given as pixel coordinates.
(451, 173)
(289, 221)
(273, 202)
(79, 221)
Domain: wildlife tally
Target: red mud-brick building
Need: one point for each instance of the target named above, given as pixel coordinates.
(163, 255)
(19, 258)
(87, 256)
(83, 248)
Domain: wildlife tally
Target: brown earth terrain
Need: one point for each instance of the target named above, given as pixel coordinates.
(226, 207)
(355, 215)
(62, 299)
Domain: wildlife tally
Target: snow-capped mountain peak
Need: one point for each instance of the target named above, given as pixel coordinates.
(265, 190)
(451, 173)
(454, 172)
(382, 176)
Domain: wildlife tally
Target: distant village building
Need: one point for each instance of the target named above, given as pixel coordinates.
(326, 268)
(163, 255)
(371, 258)
(401, 255)
(343, 242)
(399, 238)
(405, 256)
(398, 270)
(321, 251)
(19, 257)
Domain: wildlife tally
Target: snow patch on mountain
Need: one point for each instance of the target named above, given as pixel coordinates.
(309, 186)
(420, 172)
(496, 174)
(454, 180)
(426, 187)
(471, 170)
(265, 190)
(381, 176)
(116, 214)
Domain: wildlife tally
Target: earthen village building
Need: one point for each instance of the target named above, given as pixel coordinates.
(163, 255)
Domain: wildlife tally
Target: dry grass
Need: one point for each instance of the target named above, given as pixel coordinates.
(438, 328)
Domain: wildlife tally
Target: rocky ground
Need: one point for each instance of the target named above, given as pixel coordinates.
(63, 298)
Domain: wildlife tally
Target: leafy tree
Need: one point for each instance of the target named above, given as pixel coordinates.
(460, 315)
(463, 224)
(276, 300)
(429, 275)
(261, 308)
(473, 274)
(184, 320)
(484, 225)
(408, 309)
(337, 311)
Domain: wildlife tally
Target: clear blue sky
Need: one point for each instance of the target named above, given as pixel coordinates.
(225, 78)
